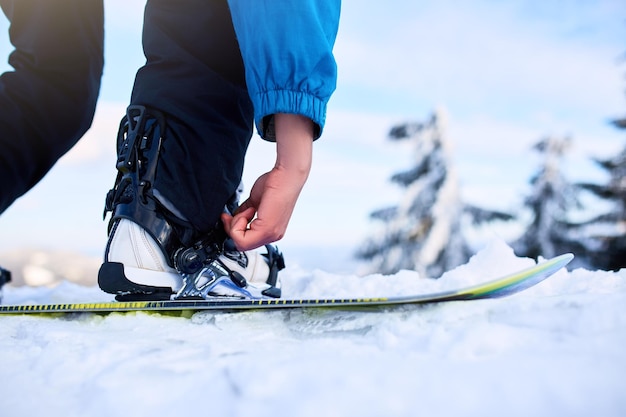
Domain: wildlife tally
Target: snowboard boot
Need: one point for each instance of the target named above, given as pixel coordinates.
(5, 277)
(153, 252)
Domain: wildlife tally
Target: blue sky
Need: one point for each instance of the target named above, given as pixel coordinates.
(507, 74)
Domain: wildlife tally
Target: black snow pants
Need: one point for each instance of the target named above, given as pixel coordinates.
(194, 74)
(47, 103)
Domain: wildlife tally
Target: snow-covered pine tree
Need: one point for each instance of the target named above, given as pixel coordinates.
(423, 232)
(551, 198)
(607, 232)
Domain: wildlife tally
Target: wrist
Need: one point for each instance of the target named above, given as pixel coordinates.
(294, 143)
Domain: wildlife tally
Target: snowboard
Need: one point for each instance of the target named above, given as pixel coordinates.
(503, 286)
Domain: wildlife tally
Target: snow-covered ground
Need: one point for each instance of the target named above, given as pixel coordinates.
(558, 349)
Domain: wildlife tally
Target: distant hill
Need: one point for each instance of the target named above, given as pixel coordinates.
(44, 267)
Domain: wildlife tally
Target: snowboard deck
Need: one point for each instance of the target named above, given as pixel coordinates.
(503, 286)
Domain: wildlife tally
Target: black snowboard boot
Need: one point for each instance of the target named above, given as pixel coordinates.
(5, 276)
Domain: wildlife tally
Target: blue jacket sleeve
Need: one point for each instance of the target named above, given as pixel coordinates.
(286, 46)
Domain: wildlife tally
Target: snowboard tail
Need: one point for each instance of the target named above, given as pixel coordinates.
(504, 286)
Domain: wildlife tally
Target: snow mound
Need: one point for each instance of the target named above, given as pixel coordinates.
(555, 349)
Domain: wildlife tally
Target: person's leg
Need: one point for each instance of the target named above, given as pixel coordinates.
(47, 103)
(194, 75)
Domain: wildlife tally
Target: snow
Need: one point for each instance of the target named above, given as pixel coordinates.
(556, 349)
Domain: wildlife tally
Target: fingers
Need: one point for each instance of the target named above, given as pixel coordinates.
(263, 219)
(237, 225)
(248, 233)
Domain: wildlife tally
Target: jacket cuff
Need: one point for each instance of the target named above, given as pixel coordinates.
(268, 103)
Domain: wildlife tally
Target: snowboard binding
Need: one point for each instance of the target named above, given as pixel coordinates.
(221, 278)
(133, 196)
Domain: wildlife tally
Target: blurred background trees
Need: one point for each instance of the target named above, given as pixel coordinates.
(428, 229)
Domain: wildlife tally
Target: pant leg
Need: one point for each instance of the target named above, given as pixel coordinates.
(194, 74)
(47, 103)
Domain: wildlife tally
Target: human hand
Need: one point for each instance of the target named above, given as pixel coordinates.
(263, 218)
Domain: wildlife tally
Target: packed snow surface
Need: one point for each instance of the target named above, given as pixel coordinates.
(557, 349)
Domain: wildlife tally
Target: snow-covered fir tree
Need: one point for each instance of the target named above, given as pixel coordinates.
(550, 233)
(423, 232)
(607, 232)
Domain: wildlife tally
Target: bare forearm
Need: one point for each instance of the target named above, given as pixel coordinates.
(264, 216)
(294, 143)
